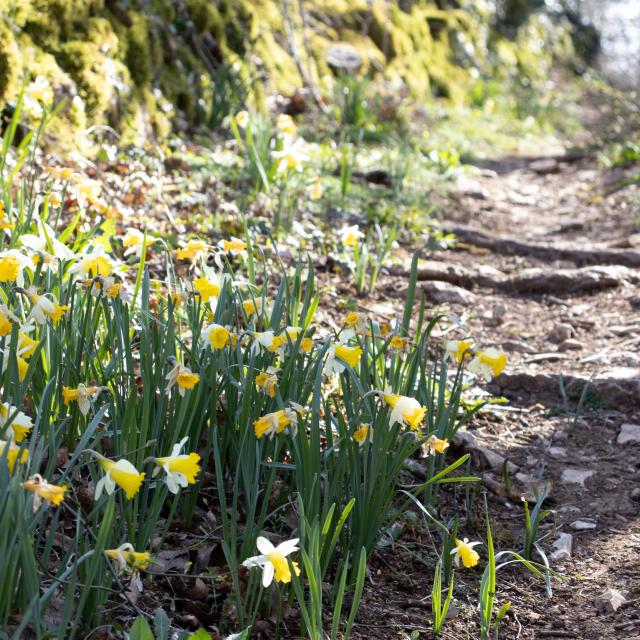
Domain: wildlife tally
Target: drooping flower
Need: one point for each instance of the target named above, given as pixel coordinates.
(180, 469)
(6, 320)
(464, 552)
(435, 444)
(291, 157)
(121, 473)
(488, 363)
(273, 561)
(405, 410)
(266, 340)
(362, 434)
(12, 453)
(46, 247)
(457, 349)
(82, 395)
(339, 356)
(216, 336)
(127, 558)
(206, 288)
(44, 490)
(183, 377)
(268, 381)
(45, 306)
(19, 426)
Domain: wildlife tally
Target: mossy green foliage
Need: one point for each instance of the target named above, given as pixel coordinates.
(146, 60)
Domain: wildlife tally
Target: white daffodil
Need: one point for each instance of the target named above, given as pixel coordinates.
(350, 236)
(132, 242)
(46, 246)
(488, 363)
(18, 427)
(12, 265)
(273, 561)
(180, 469)
(94, 263)
(339, 356)
(44, 306)
(121, 473)
(405, 410)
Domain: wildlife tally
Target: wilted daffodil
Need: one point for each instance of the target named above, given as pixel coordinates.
(11, 452)
(44, 490)
(464, 552)
(488, 363)
(19, 427)
(183, 377)
(121, 473)
(339, 356)
(180, 469)
(216, 336)
(82, 395)
(435, 444)
(405, 410)
(457, 349)
(268, 381)
(127, 558)
(273, 561)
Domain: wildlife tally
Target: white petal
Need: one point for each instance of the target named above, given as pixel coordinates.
(264, 546)
(255, 561)
(126, 466)
(287, 547)
(267, 574)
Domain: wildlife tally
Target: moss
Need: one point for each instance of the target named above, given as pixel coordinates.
(10, 64)
(139, 51)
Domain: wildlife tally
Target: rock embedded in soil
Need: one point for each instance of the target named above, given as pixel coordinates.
(629, 433)
(440, 293)
(561, 332)
(610, 601)
(562, 547)
(576, 476)
(570, 345)
(582, 525)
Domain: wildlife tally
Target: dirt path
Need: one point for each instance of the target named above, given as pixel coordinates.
(548, 271)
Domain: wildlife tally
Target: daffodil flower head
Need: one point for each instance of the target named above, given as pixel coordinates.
(457, 349)
(128, 559)
(183, 377)
(273, 561)
(82, 395)
(350, 236)
(12, 454)
(180, 469)
(488, 363)
(133, 241)
(44, 490)
(20, 424)
(216, 336)
(435, 444)
(465, 553)
(233, 246)
(405, 410)
(194, 250)
(206, 288)
(268, 381)
(339, 356)
(121, 473)
(363, 434)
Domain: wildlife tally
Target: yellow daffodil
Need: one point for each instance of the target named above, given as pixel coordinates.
(12, 265)
(352, 319)
(128, 559)
(233, 246)
(278, 421)
(464, 552)
(206, 288)
(306, 345)
(362, 434)
(132, 242)
(121, 473)
(193, 250)
(273, 561)
(340, 354)
(405, 410)
(488, 363)
(434, 444)
(45, 306)
(183, 377)
(216, 336)
(268, 381)
(180, 469)
(11, 452)
(44, 490)
(398, 343)
(94, 263)
(457, 349)
(19, 426)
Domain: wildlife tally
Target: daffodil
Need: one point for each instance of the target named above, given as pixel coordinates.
(37, 96)
(286, 125)
(266, 340)
(233, 246)
(132, 242)
(291, 157)
(127, 558)
(194, 250)
(16, 423)
(121, 473)
(46, 247)
(82, 395)
(84, 191)
(405, 410)
(279, 421)
(242, 119)
(457, 349)
(315, 190)
(488, 363)
(398, 343)
(44, 490)
(307, 345)
(180, 469)
(94, 263)
(273, 561)
(12, 265)
(362, 434)
(216, 336)
(44, 306)
(464, 552)
(268, 381)
(350, 236)
(435, 444)
(339, 356)
(206, 288)
(6, 320)
(4, 220)
(183, 377)
(11, 452)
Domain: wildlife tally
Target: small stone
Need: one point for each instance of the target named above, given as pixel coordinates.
(441, 292)
(582, 525)
(544, 165)
(343, 56)
(570, 345)
(558, 452)
(560, 333)
(517, 346)
(629, 433)
(562, 547)
(452, 611)
(635, 494)
(576, 476)
(610, 601)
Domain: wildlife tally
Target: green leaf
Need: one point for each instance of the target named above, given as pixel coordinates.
(140, 630)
